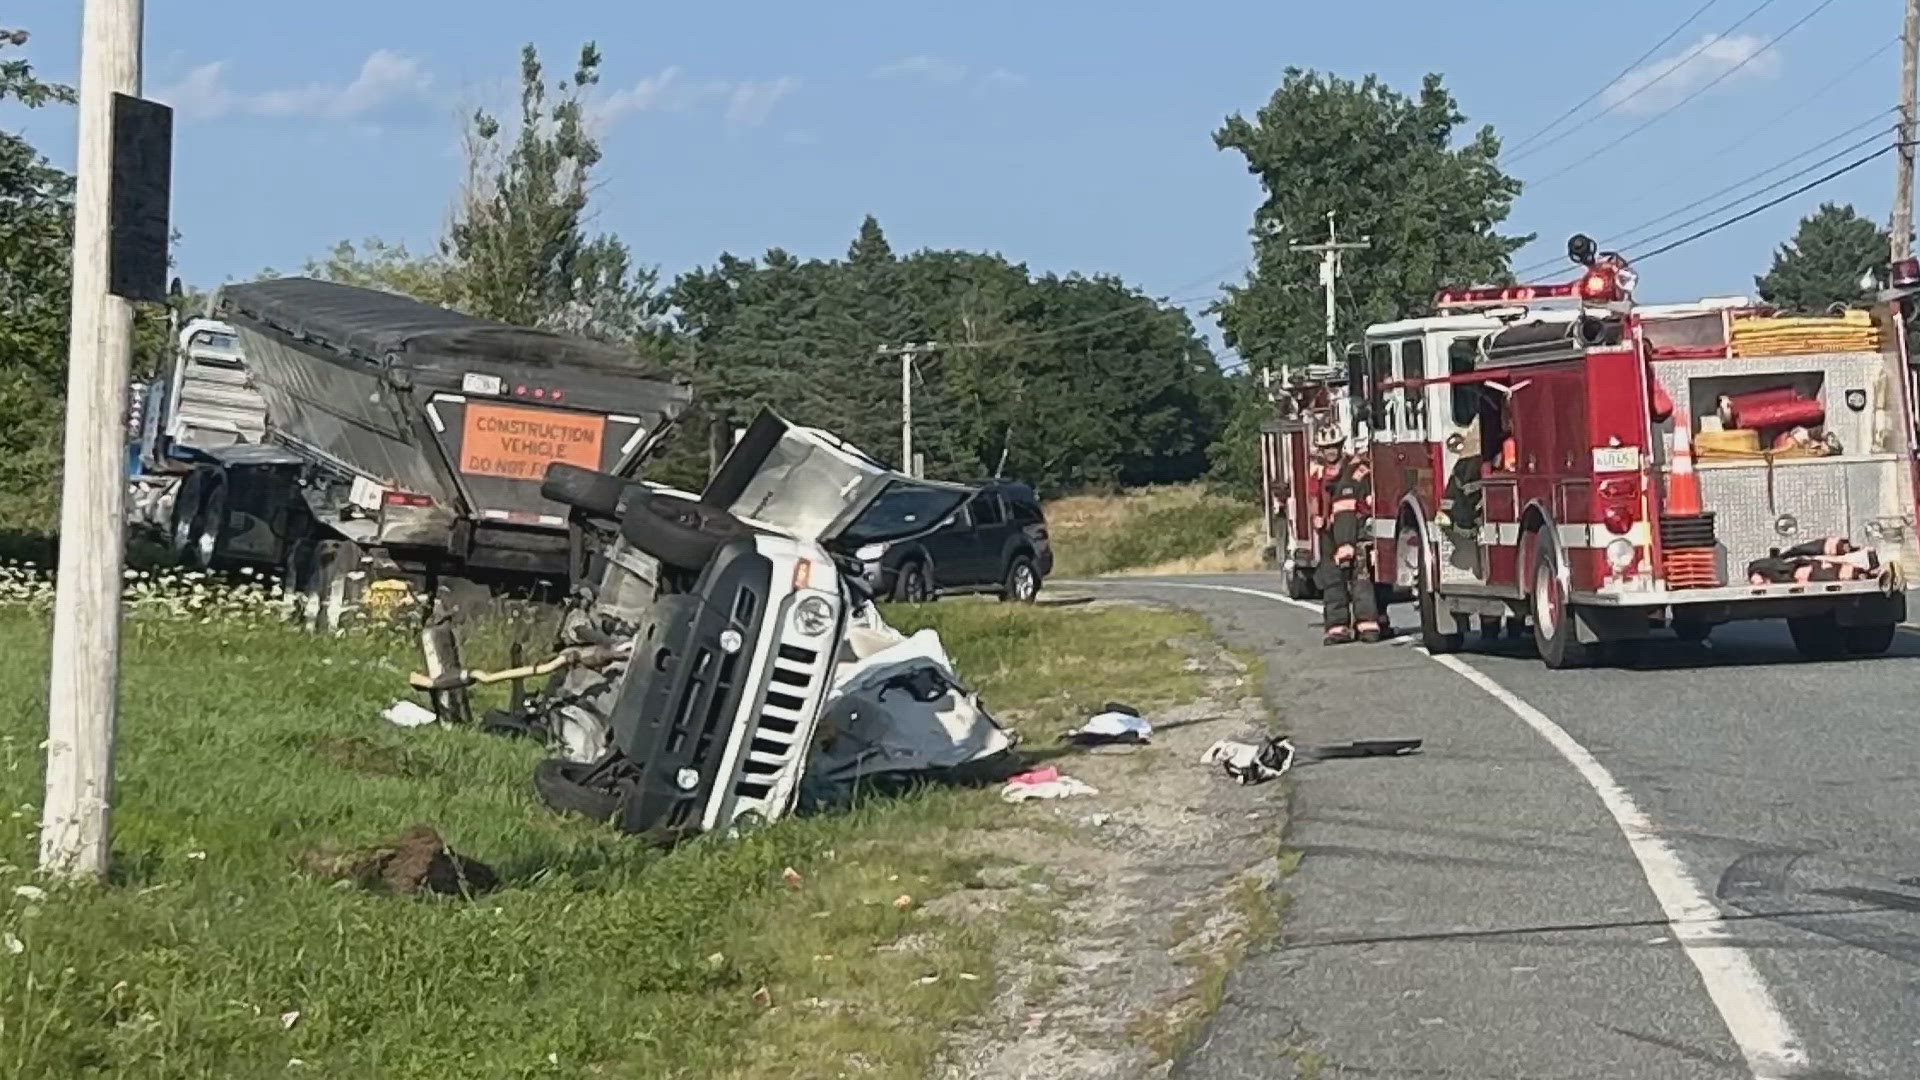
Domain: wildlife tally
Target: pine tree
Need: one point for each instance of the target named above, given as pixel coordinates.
(1821, 267)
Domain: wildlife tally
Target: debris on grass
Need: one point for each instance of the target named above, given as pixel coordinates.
(418, 860)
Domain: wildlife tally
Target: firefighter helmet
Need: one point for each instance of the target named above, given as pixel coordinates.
(1327, 435)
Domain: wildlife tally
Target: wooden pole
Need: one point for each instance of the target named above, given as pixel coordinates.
(75, 825)
(1903, 185)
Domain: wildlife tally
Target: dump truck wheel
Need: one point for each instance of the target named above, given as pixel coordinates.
(585, 490)
(336, 592)
(1869, 640)
(186, 510)
(1818, 637)
(209, 525)
(679, 532)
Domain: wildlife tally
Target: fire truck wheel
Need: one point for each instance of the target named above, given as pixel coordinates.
(1300, 584)
(1553, 630)
(1693, 631)
(1869, 640)
(1437, 642)
(1817, 637)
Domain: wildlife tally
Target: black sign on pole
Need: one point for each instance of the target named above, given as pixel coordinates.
(140, 199)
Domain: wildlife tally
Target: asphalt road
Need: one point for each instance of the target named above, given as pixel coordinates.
(1478, 910)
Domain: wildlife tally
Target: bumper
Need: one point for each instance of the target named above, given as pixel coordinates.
(1854, 602)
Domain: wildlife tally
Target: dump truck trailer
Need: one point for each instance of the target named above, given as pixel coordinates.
(406, 441)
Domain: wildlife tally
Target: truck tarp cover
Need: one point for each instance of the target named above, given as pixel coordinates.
(371, 380)
(374, 325)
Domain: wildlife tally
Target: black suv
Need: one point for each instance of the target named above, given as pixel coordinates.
(996, 543)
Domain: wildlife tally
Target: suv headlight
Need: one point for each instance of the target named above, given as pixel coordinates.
(813, 616)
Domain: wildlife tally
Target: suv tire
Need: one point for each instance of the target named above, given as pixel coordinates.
(1022, 583)
(585, 490)
(912, 585)
(679, 532)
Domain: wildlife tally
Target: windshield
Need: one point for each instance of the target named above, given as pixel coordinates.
(902, 509)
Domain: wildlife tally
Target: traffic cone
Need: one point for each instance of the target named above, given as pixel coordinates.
(1683, 487)
(1686, 533)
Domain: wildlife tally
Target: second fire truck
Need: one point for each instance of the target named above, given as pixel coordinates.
(1605, 470)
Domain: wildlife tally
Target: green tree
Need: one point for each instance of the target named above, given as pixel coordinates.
(1060, 381)
(1822, 265)
(376, 264)
(36, 244)
(36, 280)
(518, 241)
(1391, 168)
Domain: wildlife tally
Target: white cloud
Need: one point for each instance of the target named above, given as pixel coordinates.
(749, 104)
(930, 68)
(934, 69)
(386, 80)
(1660, 83)
(743, 104)
(1001, 79)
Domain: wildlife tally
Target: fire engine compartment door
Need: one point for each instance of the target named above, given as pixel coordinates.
(1464, 418)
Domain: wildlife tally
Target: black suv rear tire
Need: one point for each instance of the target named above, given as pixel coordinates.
(585, 490)
(679, 532)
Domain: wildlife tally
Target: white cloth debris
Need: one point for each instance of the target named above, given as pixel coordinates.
(408, 714)
(1048, 783)
(1116, 726)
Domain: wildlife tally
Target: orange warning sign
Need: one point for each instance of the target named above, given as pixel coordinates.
(519, 444)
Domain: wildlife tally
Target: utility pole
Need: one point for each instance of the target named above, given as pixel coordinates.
(907, 354)
(1903, 185)
(1329, 253)
(75, 824)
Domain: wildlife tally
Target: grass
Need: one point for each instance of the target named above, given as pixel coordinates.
(246, 748)
(1183, 529)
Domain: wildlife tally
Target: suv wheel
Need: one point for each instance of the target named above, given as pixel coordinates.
(912, 586)
(1023, 581)
(679, 532)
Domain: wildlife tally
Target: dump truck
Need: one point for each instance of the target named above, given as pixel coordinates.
(399, 441)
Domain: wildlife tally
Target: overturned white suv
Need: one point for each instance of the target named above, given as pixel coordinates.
(705, 632)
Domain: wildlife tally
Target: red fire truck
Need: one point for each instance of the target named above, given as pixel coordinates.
(1602, 469)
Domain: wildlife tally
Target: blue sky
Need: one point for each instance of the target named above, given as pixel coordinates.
(1066, 134)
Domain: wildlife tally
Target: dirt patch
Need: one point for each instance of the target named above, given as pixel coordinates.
(1130, 906)
(416, 861)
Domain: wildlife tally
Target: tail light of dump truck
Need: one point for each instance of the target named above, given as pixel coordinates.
(405, 498)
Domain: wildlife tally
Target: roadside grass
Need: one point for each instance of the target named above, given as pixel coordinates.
(247, 748)
(1178, 529)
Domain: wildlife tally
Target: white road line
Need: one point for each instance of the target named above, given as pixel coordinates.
(1745, 1004)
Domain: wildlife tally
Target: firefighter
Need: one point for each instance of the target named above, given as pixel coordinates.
(1351, 606)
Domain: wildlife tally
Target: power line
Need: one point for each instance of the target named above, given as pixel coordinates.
(1521, 145)
(1689, 99)
(1768, 205)
(1657, 79)
(1616, 234)
(1791, 177)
